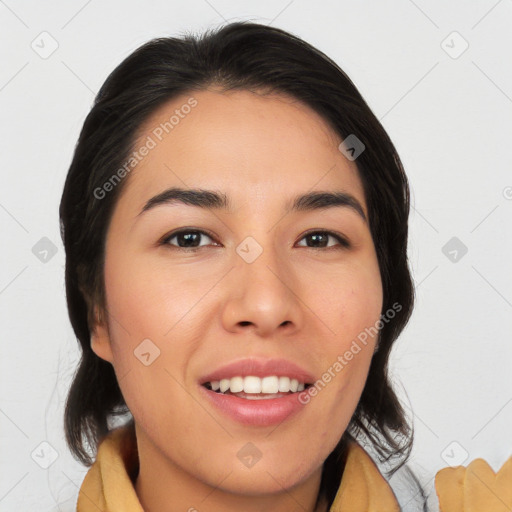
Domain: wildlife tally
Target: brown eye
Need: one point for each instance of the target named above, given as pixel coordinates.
(186, 239)
(320, 240)
(190, 240)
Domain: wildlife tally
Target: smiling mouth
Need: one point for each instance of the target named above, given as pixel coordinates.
(255, 388)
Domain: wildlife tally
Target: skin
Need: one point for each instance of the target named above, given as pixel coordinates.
(206, 308)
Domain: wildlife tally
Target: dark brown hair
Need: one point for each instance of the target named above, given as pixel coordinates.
(237, 56)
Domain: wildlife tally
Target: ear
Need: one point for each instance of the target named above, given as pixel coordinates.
(100, 337)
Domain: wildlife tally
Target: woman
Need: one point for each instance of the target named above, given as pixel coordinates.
(235, 226)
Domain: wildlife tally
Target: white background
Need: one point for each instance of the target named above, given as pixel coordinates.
(450, 119)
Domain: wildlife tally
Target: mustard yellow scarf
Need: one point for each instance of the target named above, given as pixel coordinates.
(108, 484)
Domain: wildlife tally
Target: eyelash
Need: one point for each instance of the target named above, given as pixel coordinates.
(343, 242)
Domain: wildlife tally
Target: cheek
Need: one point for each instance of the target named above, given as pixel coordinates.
(148, 300)
(131, 292)
(349, 303)
(152, 335)
(347, 300)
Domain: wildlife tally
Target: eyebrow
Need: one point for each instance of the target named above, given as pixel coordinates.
(317, 200)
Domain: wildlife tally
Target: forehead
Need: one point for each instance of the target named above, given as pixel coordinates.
(246, 144)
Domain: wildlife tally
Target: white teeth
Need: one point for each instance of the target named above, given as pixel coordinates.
(256, 385)
(269, 385)
(284, 384)
(236, 385)
(224, 385)
(252, 384)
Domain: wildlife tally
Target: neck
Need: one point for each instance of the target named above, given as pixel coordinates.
(163, 486)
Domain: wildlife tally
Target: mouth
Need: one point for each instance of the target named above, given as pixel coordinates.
(257, 391)
(251, 387)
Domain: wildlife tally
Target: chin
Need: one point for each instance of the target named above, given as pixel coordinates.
(263, 483)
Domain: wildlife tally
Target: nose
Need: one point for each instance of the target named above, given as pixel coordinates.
(263, 297)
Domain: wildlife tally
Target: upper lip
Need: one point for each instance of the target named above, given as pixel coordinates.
(259, 367)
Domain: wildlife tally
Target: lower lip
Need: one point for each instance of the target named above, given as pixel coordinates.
(262, 413)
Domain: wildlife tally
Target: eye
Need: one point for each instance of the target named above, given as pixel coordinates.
(187, 239)
(320, 239)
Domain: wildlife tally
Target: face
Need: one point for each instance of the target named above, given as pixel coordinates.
(190, 289)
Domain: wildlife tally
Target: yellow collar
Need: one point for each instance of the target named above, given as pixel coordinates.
(475, 487)
(108, 485)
